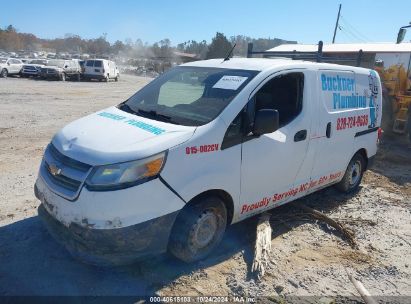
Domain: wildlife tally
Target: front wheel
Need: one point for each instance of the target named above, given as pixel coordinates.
(198, 229)
(353, 175)
(3, 73)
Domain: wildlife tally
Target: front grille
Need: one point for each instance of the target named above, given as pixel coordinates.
(63, 181)
(30, 68)
(67, 160)
(68, 175)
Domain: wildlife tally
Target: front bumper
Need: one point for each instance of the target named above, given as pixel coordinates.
(50, 75)
(29, 73)
(112, 246)
(111, 227)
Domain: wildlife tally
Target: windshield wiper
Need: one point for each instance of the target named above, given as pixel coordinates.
(153, 114)
(147, 113)
(126, 108)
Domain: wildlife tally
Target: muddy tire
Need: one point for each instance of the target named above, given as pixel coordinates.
(198, 229)
(4, 73)
(353, 174)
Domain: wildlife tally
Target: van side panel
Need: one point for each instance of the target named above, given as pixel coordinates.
(340, 110)
(366, 136)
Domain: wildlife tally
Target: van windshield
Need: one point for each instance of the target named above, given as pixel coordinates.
(190, 96)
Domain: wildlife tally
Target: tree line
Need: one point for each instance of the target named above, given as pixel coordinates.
(12, 40)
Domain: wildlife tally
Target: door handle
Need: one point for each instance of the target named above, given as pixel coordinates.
(300, 135)
(328, 130)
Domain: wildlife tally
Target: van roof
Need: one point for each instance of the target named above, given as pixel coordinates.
(262, 64)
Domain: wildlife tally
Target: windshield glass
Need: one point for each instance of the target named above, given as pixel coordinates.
(58, 63)
(190, 96)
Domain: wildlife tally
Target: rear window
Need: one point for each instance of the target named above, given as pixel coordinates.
(97, 63)
(90, 63)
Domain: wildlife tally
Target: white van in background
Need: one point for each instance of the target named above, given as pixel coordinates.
(205, 145)
(101, 69)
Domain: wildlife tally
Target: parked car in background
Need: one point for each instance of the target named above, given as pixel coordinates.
(10, 66)
(33, 67)
(61, 69)
(101, 69)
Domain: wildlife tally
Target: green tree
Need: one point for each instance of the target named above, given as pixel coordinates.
(194, 47)
(219, 47)
(118, 47)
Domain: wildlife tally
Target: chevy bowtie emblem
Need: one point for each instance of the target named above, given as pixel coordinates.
(54, 170)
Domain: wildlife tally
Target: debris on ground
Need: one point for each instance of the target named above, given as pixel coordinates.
(262, 245)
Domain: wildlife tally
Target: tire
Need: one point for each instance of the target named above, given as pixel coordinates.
(4, 73)
(189, 240)
(63, 77)
(117, 77)
(353, 174)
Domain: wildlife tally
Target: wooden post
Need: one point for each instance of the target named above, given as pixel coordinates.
(262, 245)
(336, 23)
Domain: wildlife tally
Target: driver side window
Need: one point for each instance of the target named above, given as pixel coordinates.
(283, 93)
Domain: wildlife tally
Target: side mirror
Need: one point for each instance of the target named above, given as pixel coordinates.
(266, 121)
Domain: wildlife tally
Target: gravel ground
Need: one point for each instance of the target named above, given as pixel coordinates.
(308, 258)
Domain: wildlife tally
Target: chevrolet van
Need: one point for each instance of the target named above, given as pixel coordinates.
(205, 145)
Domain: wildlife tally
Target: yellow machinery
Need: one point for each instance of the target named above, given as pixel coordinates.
(396, 81)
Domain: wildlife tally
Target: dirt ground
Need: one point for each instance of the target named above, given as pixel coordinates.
(308, 257)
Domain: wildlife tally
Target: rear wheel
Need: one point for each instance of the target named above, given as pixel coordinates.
(198, 229)
(4, 73)
(353, 175)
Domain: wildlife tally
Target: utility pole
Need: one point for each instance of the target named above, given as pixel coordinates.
(336, 24)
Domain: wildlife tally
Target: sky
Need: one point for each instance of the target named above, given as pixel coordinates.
(181, 20)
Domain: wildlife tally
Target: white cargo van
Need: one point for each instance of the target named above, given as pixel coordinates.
(101, 69)
(205, 145)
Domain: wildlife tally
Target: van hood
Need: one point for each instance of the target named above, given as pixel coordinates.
(112, 136)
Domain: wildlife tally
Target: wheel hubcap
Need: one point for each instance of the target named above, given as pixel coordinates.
(355, 173)
(205, 229)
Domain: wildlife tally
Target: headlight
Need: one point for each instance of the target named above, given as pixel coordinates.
(124, 175)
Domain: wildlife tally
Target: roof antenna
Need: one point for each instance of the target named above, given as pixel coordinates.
(229, 53)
